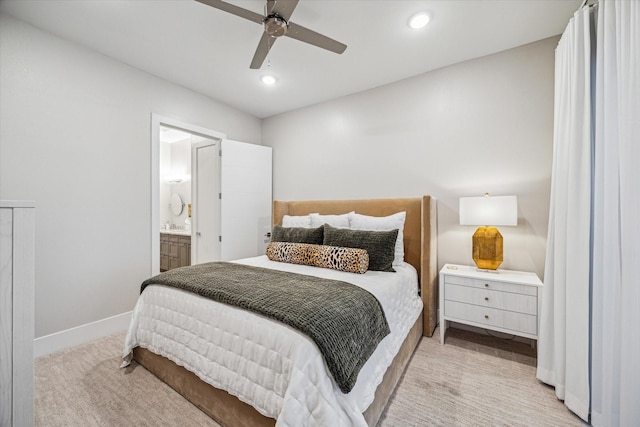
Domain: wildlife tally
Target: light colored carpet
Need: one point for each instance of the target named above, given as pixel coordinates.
(85, 386)
(473, 380)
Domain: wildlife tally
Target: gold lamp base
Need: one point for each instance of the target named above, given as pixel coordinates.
(487, 248)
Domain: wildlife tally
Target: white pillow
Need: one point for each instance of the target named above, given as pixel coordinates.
(339, 221)
(382, 223)
(296, 221)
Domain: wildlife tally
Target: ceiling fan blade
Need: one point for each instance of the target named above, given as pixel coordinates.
(284, 8)
(235, 10)
(261, 51)
(306, 35)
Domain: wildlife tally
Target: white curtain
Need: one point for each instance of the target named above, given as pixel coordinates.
(616, 231)
(589, 346)
(563, 345)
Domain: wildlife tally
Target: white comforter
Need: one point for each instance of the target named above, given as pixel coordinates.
(274, 368)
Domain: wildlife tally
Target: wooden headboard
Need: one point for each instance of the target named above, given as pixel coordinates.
(420, 236)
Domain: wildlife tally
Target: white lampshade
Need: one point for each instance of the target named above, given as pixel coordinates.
(489, 210)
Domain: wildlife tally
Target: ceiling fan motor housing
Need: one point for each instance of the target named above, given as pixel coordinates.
(275, 25)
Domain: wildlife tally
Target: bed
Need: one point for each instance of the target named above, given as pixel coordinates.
(420, 255)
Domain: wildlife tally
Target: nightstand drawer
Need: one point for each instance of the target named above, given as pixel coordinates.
(520, 303)
(495, 285)
(517, 322)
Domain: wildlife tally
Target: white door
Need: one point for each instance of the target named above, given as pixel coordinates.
(246, 199)
(205, 236)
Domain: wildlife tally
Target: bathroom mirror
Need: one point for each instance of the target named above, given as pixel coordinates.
(177, 205)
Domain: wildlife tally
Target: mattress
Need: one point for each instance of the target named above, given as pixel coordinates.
(274, 368)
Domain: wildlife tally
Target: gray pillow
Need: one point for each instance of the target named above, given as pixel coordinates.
(380, 245)
(313, 236)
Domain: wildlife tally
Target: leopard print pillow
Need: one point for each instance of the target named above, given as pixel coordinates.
(351, 260)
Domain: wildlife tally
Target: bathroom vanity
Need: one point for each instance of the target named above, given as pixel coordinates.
(175, 249)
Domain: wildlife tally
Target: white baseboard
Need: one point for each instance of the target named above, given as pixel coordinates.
(80, 334)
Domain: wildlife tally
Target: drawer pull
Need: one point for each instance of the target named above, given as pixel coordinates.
(486, 298)
(486, 285)
(486, 316)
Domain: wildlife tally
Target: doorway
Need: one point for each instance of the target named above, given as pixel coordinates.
(173, 180)
(242, 183)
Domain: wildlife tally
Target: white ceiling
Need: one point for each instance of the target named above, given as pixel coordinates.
(209, 51)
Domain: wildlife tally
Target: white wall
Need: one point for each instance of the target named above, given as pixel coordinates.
(164, 188)
(181, 164)
(75, 135)
(175, 160)
(484, 125)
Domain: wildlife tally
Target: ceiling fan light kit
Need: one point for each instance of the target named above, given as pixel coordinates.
(276, 24)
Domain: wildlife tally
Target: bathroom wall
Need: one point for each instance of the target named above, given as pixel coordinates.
(175, 162)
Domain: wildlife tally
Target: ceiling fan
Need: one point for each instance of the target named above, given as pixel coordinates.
(276, 24)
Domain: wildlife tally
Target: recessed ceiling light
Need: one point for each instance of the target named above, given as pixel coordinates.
(419, 20)
(268, 80)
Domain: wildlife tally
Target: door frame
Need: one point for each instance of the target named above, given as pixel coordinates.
(158, 120)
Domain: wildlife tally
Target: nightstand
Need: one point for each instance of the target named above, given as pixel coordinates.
(504, 301)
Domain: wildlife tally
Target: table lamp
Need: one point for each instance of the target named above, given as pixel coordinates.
(487, 212)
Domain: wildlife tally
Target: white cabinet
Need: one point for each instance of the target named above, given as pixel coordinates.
(505, 301)
(16, 312)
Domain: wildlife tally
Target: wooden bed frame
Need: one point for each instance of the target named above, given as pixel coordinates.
(420, 246)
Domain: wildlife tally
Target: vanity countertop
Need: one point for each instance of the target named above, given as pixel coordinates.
(176, 232)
